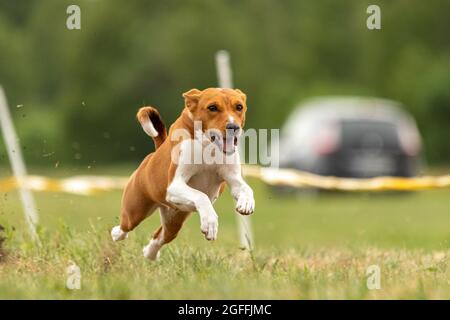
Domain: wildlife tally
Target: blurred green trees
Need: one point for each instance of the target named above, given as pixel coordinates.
(74, 93)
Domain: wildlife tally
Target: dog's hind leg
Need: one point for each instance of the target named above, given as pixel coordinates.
(134, 210)
(171, 222)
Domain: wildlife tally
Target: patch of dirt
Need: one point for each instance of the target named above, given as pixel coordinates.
(109, 254)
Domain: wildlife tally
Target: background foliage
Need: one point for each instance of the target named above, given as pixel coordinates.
(74, 94)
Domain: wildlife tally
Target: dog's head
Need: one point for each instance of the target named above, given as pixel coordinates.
(221, 112)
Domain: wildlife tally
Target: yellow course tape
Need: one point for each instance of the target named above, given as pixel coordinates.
(83, 185)
(295, 178)
(87, 185)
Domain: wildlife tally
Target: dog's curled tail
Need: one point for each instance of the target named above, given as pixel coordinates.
(151, 122)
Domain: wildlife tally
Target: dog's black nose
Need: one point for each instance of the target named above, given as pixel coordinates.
(233, 127)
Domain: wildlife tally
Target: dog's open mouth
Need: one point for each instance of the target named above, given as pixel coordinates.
(227, 145)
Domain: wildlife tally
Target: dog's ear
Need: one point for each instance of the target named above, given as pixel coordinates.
(191, 98)
(243, 95)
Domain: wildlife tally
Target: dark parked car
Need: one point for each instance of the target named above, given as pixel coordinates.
(351, 137)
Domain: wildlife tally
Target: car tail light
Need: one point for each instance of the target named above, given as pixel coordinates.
(327, 140)
(409, 139)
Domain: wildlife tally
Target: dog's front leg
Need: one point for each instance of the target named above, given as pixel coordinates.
(179, 193)
(241, 191)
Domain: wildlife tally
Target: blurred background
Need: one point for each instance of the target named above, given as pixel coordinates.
(74, 93)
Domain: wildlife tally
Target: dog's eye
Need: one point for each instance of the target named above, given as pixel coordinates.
(239, 107)
(213, 108)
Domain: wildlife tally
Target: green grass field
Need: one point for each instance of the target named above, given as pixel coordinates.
(306, 248)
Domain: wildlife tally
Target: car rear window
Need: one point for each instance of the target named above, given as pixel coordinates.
(369, 134)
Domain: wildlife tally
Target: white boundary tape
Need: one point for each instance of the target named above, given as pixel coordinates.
(18, 165)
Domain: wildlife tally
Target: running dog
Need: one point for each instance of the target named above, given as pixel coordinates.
(189, 168)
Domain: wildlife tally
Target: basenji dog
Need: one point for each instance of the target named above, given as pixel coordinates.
(189, 168)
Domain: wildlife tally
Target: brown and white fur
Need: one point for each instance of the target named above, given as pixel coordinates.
(168, 180)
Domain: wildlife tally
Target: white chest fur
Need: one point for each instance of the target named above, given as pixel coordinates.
(195, 184)
(208, 182)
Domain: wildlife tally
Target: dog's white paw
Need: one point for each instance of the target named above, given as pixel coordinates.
(151, 252)
(210, 226)
(117, 234)
(245, 204)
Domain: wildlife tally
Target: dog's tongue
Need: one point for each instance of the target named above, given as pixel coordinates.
(228, 145)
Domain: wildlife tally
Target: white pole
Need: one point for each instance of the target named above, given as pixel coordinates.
(18, 165)
(225, 79)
